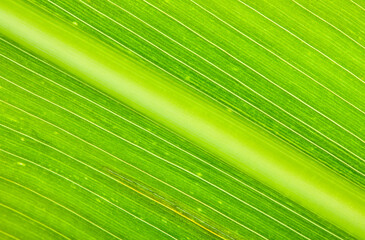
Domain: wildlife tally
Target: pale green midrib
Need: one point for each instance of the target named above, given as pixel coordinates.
(157, 136)
(238, 142)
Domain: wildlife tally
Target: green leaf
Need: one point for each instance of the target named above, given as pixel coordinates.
(222, 119)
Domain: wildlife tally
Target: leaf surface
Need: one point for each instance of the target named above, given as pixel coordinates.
(183, 120)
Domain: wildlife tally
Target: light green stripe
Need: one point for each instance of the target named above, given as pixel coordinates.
(245, 146)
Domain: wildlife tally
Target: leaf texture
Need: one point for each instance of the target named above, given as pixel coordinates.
(80, 163)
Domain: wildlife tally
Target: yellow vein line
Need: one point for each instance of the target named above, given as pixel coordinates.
(168, 207)
(60, 205)
(139, 147)
(69, 180)
(358, 5)
(9, 235)
(225, 90)
(171, 144)
(234, 78)
(32, 219)
(339, 30)
(300, 39)
(276, 55)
